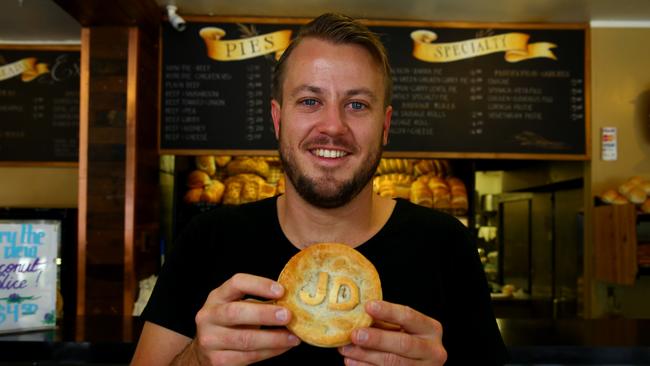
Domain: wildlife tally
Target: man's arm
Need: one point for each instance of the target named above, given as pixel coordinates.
(158, 345)
(228, 329)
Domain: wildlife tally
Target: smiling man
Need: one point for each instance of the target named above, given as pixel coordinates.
(332, 119)
(331, 113)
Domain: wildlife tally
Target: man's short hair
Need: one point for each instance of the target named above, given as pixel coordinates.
(338, 29)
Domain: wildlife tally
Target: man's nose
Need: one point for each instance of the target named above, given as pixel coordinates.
(333, 121)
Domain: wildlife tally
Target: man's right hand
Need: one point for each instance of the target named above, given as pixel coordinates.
(228, 327)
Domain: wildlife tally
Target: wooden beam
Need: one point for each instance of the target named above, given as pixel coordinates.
(145, 14)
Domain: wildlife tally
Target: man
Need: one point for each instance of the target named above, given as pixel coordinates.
(331, 112)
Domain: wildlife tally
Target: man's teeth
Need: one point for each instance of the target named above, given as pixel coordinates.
(324, 153)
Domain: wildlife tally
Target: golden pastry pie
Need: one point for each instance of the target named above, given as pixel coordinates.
(326, 288)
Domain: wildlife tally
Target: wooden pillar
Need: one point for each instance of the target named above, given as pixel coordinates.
(102, 170)
(118, 162)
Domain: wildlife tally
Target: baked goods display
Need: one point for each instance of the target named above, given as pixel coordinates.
(246, 187)
(233, 181)
(393, 185)
(426, 182)
(387, 166)
(635, 190)
(236, 180)
(326, 288)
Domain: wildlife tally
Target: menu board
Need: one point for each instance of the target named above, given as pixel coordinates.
(39, 105)
(471, 91)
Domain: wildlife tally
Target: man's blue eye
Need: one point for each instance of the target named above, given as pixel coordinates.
(357, 105)
(309, 102)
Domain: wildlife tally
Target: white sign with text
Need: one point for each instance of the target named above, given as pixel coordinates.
(28, 274)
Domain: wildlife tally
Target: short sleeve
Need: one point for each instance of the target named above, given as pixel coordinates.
(179, 293)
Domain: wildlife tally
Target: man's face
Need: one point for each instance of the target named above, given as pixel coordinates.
(332, 122)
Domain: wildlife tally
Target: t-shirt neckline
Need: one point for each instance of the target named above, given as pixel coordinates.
(394, 220)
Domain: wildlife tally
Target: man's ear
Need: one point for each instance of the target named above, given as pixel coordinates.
(387, 118)
(276, 112)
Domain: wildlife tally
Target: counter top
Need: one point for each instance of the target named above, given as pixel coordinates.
(577, 341)
(111, 340)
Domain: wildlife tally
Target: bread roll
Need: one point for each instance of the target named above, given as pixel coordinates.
(396, 178)
(609, 196)
(441, 198)
(425, 166)
(206, 163)
(213, 193)
(459, 204)
(393, 185)
(637, 195)
(244, 188)
(399, 191)
(232, 195)
(420, 194)
(326, 288)
(272, 160)
(266, 190)
(626, 187)
(646, 186)
(456, 184)
(248, 165)
(424, 178)
(437, 183)
(390, 189)
(636, 180)
(620, 200)
(387, 166)
(193, 195)
(275, 172)
(443, 167)
(222, 160)
(198, 179)
(250, 191)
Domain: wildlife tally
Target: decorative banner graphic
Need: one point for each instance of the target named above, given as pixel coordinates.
(245, 48)
(28, 274)
(515, 46)
(27, 68)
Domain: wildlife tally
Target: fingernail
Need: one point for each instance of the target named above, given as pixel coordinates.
(350, 362)
(362, 336)
(282, 315)
(294, 340)
(346, 349)
(374, 306)
(276, 288)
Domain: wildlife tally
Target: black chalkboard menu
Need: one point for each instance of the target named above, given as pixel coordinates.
(39, 104)
(479, 90)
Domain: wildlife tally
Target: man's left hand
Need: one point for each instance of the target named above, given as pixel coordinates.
(415, 340)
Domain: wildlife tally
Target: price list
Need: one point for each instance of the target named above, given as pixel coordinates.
(423, 98)
(476, 96)
(255, 111)
(215, 104)
(40, 117)
(476, 99)
(190, 92)
(485, 103)
(483, 106)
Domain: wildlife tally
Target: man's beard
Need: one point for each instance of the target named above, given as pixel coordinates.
(308, 187)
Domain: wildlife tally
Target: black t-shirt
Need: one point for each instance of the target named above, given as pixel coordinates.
(425, 260)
